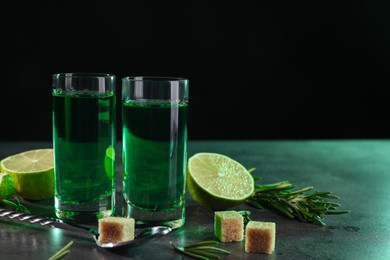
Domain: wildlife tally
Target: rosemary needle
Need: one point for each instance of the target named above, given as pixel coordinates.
(62, 252)
(245, 214)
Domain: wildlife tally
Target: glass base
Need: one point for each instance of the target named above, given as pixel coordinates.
(174, 218)
(84, 212)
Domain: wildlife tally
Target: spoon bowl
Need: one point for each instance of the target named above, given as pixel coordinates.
(140, 234)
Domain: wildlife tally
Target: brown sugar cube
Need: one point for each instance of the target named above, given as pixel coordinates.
(260, 237)
(228, 226)
(116, 229)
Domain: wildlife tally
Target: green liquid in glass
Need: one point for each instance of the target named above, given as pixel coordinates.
(154, 154)
(83, 130)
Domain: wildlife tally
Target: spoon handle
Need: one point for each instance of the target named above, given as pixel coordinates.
(52, 222)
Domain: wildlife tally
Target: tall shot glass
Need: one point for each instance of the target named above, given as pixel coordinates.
(84, 145)
(154, 118)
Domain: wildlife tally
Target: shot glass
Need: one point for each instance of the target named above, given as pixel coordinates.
(84, 109)
(154, 121)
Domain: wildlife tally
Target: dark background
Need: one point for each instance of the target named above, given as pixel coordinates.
(257, 69)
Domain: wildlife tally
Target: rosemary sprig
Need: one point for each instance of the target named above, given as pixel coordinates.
(245, 214)
(295, 204)
(17, 205)
(62, 252)
(204, 250)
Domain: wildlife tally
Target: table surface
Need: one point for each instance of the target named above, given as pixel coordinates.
(356, 170)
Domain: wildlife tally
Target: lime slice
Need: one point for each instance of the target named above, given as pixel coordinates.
(217, 181)
(7, 187)
(32, 173)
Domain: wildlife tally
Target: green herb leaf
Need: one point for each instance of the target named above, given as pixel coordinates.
(17, 205)
(202, 250)
(245, 214)
(203, 243)
(62, 252)
(295, 204)
(9, 203)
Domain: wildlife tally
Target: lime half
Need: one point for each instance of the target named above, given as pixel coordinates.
(32, 173)
(217, 181)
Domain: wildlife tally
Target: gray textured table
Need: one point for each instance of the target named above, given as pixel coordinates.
(356, 170)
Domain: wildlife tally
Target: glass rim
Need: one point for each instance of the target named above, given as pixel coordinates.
(154, 78)
(83, 75)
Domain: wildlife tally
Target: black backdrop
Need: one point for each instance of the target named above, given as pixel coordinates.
(257, 69)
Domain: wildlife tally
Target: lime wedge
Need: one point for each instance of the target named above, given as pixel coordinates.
(7, 187)
(217, 181)
(32, 173)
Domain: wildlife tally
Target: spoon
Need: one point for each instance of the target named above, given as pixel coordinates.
(140, 234)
